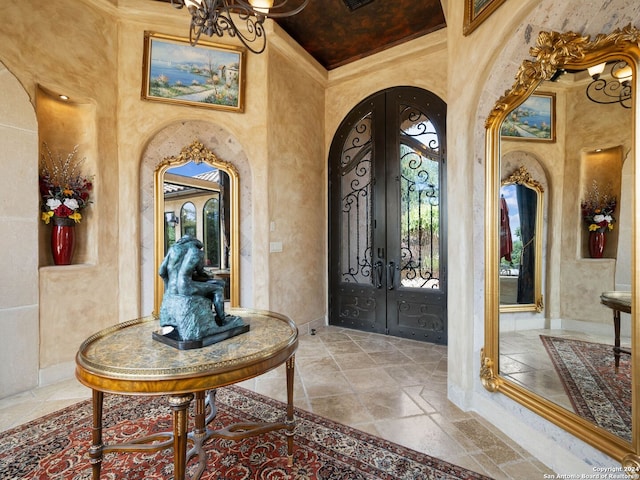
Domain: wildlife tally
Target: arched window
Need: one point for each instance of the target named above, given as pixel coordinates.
(188, 219)
(211, 221)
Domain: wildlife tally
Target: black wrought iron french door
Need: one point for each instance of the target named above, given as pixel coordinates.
(387, 248)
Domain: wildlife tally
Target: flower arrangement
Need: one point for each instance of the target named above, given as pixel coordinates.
(597, 210)
(64, 191)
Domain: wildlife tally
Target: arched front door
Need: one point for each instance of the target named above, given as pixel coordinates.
(387, 245)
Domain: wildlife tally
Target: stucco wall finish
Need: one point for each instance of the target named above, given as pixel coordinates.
(297, 189)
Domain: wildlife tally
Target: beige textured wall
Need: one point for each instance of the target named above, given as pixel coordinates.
(297, 191)
(582, 279)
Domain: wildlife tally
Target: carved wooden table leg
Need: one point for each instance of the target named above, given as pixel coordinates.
(95, 452)
(180, 404)
(616, 332)
(200, 434)
(290, 421)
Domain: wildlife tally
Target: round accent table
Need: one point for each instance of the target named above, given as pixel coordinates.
(124, 359)
(618, 301)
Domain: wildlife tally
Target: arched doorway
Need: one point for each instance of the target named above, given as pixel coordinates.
(387, 245)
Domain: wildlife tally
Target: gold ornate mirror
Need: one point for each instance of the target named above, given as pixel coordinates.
(578, 126)
(198, 194)
(521, 203)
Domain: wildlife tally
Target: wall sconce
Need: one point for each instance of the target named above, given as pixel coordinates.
(615, 90)
(171, 219)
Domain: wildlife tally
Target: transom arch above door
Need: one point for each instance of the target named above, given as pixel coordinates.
(387, 222)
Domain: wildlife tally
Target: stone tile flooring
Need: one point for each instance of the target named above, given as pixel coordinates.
(390, 387)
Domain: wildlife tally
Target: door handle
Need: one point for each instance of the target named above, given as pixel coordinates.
(391, 271)
(378, 268)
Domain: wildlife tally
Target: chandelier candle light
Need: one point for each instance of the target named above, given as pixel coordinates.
(217, 17)
(617, 89)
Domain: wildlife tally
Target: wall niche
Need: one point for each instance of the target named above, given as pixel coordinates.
(63, 123)
(601, 177)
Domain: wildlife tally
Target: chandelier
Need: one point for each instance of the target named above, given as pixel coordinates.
(615, 90)
(214, 17)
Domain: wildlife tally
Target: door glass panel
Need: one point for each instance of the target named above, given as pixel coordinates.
(356, 204)
(188, 219)
(419, 200)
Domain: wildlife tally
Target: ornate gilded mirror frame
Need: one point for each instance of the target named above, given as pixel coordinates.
(196, 152)
(522, 177)
(554, 51)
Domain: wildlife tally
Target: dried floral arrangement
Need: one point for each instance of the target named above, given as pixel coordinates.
(64, 189)
(597, 209)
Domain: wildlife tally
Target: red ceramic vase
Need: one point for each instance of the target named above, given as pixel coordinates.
(62, 240)
(597, 241)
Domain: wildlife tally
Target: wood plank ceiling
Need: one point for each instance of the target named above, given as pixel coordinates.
(336, 35)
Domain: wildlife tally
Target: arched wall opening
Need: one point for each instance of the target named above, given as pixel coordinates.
(167, 143)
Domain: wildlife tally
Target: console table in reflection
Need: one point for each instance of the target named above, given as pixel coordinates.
(619, 302)
(124, 359)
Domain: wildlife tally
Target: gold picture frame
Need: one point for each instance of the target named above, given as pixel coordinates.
(532, 120)
(476, 12)
(207, 75)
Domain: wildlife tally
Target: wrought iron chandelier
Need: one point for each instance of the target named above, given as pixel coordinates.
(615, 90)
(214, 17)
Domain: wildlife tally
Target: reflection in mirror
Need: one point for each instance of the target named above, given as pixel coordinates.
(199, 198)
(521, 229)
(197, 192)
(563, 361)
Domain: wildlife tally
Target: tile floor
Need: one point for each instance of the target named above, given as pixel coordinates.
(390, 387)
(525, 361)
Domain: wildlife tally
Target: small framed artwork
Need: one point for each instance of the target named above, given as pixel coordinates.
(207, 75)
(535, 119)
(476, 12)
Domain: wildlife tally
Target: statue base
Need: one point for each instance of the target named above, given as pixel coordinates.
(173, 338)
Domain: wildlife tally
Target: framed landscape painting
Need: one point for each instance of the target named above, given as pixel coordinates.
(535, 119)
(207, 75)
(476, 12)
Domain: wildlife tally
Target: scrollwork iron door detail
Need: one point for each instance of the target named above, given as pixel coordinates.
(387, 254)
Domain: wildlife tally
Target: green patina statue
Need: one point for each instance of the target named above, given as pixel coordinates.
(193, 301)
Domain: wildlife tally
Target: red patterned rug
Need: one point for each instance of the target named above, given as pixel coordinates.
(596, 392)
(56, 446)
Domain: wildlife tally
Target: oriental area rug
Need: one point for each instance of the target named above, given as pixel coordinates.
(595, 390)
(56, 446)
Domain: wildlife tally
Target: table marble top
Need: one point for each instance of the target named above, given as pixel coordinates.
(620, 300)
(128, 351)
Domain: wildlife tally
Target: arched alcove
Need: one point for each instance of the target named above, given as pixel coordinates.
(169, 142)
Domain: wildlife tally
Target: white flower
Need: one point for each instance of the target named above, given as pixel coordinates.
(599, 218)
(53, 203)
(71, 203)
